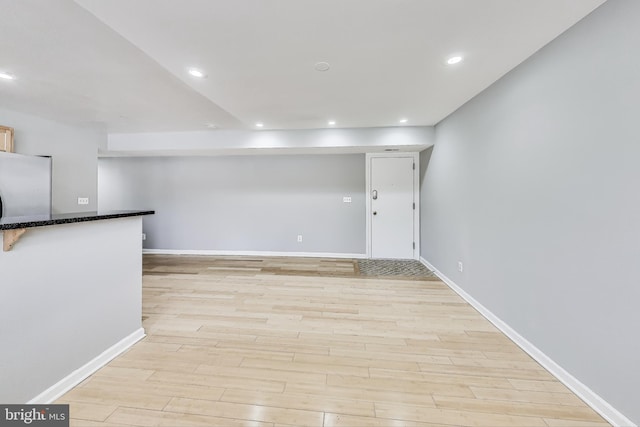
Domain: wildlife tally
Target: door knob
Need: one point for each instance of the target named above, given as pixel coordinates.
(375, 213)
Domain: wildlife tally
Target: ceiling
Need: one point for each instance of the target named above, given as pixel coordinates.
(121, 65)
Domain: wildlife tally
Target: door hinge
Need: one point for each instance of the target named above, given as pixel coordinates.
(414, 166)
(414, 245)
(414, 206)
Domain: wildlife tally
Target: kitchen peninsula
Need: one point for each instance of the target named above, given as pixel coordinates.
(71, 299)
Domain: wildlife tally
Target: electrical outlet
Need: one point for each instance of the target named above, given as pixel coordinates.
(460, 267)
(346, 199)
(299, 238)
(144, 236)
(83, 200)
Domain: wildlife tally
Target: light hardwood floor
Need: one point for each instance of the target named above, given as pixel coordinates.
(306, 342)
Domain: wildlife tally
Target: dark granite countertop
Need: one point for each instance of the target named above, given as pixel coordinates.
(12, 223)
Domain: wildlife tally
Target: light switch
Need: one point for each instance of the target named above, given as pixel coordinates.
(346, 199)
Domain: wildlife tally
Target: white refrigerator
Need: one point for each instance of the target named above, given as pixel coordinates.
(25, 185)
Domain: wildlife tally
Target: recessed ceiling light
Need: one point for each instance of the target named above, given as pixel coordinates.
(454, 60)
(332, 122)
(6, 76)
(322, 66)
(403, 120)
(195, 72)
(211, 126)
(259, 124)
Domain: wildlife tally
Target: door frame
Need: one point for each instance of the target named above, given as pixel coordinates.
(416, 196)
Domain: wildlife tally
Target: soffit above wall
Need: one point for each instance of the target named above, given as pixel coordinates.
(121, 65)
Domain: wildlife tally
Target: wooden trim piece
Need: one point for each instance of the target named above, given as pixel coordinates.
(6, 139)
(11, 237)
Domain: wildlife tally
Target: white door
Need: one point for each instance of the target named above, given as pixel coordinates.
(392, 209)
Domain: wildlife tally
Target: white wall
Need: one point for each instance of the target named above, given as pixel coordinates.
(243, 203)
(533, 186)
(74, 152)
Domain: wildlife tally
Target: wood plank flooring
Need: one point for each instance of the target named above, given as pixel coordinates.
(307, 342)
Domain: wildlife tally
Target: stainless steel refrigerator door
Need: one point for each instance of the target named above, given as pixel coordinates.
(25, 184)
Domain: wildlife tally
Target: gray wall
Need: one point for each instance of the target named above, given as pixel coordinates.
(74, 152)
(243, 203)
(533, 185)
(425, 159)
(63, 302)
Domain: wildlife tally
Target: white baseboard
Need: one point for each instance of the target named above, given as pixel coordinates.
(252, 253)
(79, 375)
(598, 404)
